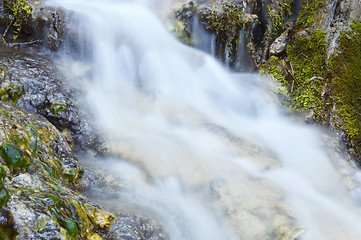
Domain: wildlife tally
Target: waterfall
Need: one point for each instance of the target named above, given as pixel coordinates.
(201, 149)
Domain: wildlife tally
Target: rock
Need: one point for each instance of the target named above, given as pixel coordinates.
(46, 187)
(43, 201)
(34, 83)
(131, 227)
(226, 19)
(279, 45)
(335, 18)
(45, 24)
(185, 14)
(48, 24)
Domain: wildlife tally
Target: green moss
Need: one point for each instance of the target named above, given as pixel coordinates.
(345, 69)
(5, 112)
(309, 13)
(79, 219)
(10, 92)
(33, 144)
(54, 198)
(3, 73)
(225, 19)
(302, 73)
(278, 13)
(6, 234)
(57, 107)
(276, 68)
(307, 53)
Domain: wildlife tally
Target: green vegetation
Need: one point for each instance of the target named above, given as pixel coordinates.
(3, 73)
(307, 53)
(225, 19)
(309, 14)
(77, 218)
(4, 196)
(2, 174)
(19, 13)
(57, 107)
(26, 147)
(278, 12)
(20, 148)
(302, 74)
(329, 90)
(345, 69)
(10, 92)
(14, 156)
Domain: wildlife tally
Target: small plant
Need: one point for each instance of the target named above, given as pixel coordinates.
(57, 107)
(18, 14)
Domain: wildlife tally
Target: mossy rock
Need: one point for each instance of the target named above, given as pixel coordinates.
(33, 82)
(345, 71)
(39, 178)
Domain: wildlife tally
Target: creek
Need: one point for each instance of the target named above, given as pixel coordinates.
(203, 150)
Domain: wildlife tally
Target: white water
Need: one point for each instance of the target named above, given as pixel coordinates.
(200, 148)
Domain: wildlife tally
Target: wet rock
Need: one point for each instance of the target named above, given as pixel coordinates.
(42, 24)
(335, 18)
(42, 196)
(185, 14)
(44, 202)
(48, 24)
(34, 83)
(130, 227)
(226, 19)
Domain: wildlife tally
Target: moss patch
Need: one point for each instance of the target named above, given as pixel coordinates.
(345, 68)
(309, 13)
(278, 13)
(307, 53)
(225, 19)
(302, 74)
(10, 92)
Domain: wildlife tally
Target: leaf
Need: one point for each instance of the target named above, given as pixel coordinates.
(70, 226)
(4, 196)
(13, 156)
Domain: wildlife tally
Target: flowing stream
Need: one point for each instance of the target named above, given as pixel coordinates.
(201, 149)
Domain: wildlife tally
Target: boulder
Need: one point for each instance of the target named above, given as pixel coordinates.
(33, 82)
(39, 188)
(39, 181)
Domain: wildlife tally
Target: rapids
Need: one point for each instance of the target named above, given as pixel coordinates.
(202, 149)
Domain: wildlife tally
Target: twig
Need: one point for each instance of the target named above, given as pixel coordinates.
(291, 74)
(6, 135)
(7, 30)
(293, 71)
(24, 43)
(312, 78)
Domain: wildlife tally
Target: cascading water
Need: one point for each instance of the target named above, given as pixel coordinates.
(200, 148)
